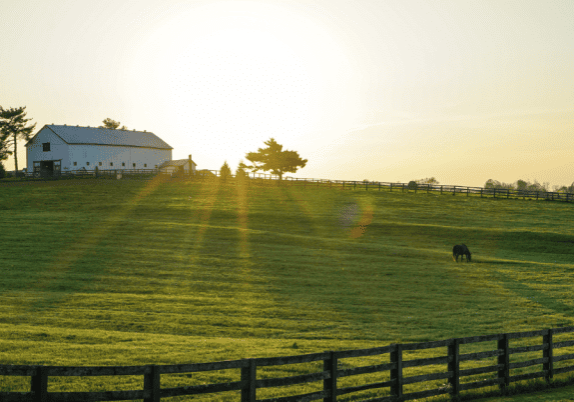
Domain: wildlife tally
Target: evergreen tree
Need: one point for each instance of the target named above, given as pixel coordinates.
(240, 172)
(13, 128)
(274, 159)
(224, 172)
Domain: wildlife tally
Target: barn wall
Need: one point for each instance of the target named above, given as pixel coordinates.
(94, 154)
(35, 152)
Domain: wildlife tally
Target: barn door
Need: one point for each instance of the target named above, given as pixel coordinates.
(57, 167)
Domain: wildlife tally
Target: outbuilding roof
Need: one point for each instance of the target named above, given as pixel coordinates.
(177, 162)
(106, 136)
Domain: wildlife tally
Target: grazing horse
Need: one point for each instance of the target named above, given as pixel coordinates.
(461, 250)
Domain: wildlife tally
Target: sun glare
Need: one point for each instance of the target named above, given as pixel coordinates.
(237, 83)
(230, 75)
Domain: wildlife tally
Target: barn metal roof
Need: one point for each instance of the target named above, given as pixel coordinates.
(106, 136)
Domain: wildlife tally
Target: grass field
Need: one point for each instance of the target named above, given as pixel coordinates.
(103, 272)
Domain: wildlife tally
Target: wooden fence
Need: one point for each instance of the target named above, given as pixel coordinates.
(405, 187)
(344, 184)
(390, 390)
(442, 189)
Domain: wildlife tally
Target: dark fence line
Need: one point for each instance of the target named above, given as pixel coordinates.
(345, 184)
(442, 189)
(248, 384)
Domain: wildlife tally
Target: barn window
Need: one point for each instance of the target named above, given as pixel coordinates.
(87, 163)
(111, 163)
(46, 146)
(100, 163)
(123, 163)
(145, 164)
(75, 163)
(134, 164)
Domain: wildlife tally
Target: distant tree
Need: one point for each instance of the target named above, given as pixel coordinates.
(412, 185)
(490, 183)
(13, 128)
(240, 173)
(428, 180)
(521, 184)
(112, 124)
(274, 159)
(224, 172)
(535, 186)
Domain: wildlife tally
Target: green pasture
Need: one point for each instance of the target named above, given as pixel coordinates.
(133, 272)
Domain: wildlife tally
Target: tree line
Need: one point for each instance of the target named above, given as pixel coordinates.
(526, 185)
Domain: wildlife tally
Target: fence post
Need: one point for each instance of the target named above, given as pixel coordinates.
(403, 187)
(397, 373)
(151, 383)
(379, 186)
(454, 366)
(549, 354)
(481, 192)
(39, 384)
(330, 384)
(440, 190)
(391, 187)
(467, 191)
(504, 359)
(507, 193)
(248, 374)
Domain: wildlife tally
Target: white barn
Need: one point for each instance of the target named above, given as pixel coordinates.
(57, 148)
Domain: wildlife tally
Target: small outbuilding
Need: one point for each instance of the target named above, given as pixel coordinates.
(178, 166)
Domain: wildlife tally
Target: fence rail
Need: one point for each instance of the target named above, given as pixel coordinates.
(249, 384)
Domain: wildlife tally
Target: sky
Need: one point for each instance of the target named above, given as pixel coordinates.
(383, 90)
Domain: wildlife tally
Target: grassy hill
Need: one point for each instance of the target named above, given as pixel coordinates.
(101, 272)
